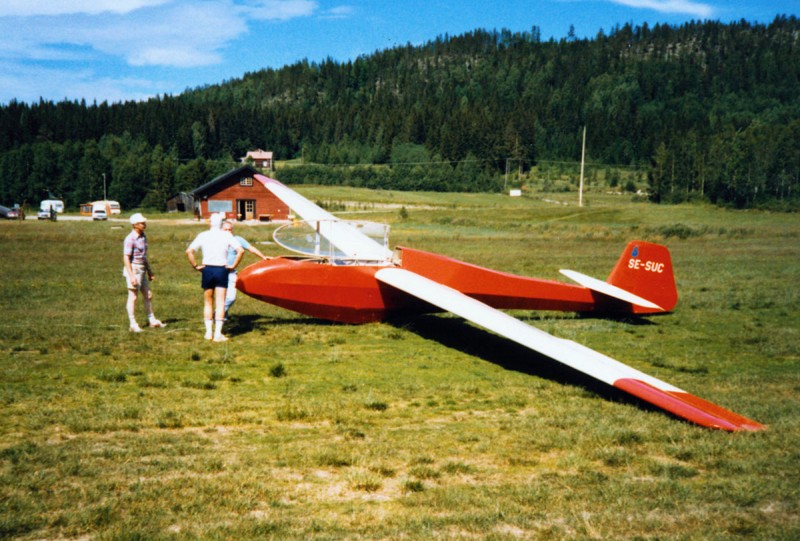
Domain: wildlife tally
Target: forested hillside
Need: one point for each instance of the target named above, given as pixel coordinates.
(706, 110)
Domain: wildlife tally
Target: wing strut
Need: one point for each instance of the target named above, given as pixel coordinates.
(572, 354)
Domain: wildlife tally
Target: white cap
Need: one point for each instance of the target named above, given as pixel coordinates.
(216, 220)
(138, 218)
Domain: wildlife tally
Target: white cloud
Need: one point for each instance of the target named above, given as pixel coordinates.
(28, 84)
(174, 33)
(178, 57)
(97, 48)
(31, 8)
(686, 7)
(177, 36)
(338, 12)
(280, 10)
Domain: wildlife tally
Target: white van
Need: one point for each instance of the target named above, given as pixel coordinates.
(100, 210)
(56, 204)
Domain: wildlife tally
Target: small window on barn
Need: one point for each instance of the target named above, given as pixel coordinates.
(220, 205)
(246, 181)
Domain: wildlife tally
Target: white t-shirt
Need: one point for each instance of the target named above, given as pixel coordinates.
(214, 244)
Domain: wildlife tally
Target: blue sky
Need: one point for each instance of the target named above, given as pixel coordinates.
(117, 50)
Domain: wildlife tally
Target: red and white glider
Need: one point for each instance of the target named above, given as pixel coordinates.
(348, 274)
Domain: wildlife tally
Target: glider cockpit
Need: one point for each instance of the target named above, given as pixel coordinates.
(308, 238)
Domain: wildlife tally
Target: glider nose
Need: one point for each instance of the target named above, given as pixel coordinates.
(252, 278)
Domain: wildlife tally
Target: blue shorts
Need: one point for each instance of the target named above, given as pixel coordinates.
(214, 277)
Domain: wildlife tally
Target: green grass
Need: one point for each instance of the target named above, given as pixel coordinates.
(429, 428)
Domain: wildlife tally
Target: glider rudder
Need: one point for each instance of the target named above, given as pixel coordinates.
(645, 269)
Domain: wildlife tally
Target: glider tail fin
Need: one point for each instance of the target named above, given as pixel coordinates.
(645, 269)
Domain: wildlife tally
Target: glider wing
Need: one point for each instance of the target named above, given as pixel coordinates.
(345, 237)
(572, 354)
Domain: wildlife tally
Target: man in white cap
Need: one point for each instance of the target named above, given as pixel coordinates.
(214, 244)
(137, 272)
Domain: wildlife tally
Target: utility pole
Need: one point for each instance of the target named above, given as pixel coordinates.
(105, 197)
(583, 158)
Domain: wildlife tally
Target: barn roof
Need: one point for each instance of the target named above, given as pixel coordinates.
(244, 171)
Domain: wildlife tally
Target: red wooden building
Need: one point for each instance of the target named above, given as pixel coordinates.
(239, 196)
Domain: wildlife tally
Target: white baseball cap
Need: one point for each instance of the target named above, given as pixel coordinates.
(138, 218)
(216, 219)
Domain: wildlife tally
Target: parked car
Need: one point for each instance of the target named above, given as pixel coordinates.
(55, 204)
(99, 214)
(50, 214)
(10, 213)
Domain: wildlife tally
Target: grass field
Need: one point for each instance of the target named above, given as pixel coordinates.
(430, 428)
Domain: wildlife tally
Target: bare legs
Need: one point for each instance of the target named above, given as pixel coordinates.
(130, 306)
(147, 299)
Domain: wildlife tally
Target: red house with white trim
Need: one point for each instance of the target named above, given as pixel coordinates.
(239, 196)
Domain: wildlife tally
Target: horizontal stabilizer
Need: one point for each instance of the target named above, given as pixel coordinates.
(608, 289)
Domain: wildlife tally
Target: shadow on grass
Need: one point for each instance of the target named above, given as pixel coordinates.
(459, 335)
(246, 323)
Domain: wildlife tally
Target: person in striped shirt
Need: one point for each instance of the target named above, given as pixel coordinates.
(137, 272)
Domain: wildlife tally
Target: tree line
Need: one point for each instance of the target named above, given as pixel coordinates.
(709, 110)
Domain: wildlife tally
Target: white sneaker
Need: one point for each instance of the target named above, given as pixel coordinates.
(208, 336)
(135, 327)
(156, 323)
(220, 338)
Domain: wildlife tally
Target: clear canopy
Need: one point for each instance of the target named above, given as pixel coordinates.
(310, 238)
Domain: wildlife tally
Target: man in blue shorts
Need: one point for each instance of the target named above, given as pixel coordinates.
(230, 295)
(214, 244)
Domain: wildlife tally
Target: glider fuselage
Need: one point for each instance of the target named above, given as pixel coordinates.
(350, 293)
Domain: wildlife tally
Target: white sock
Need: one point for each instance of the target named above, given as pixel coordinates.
(219, 323)
(129, 307)
(209, 327)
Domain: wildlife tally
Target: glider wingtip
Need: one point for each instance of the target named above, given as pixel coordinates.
(689, 407)
(754, 427)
